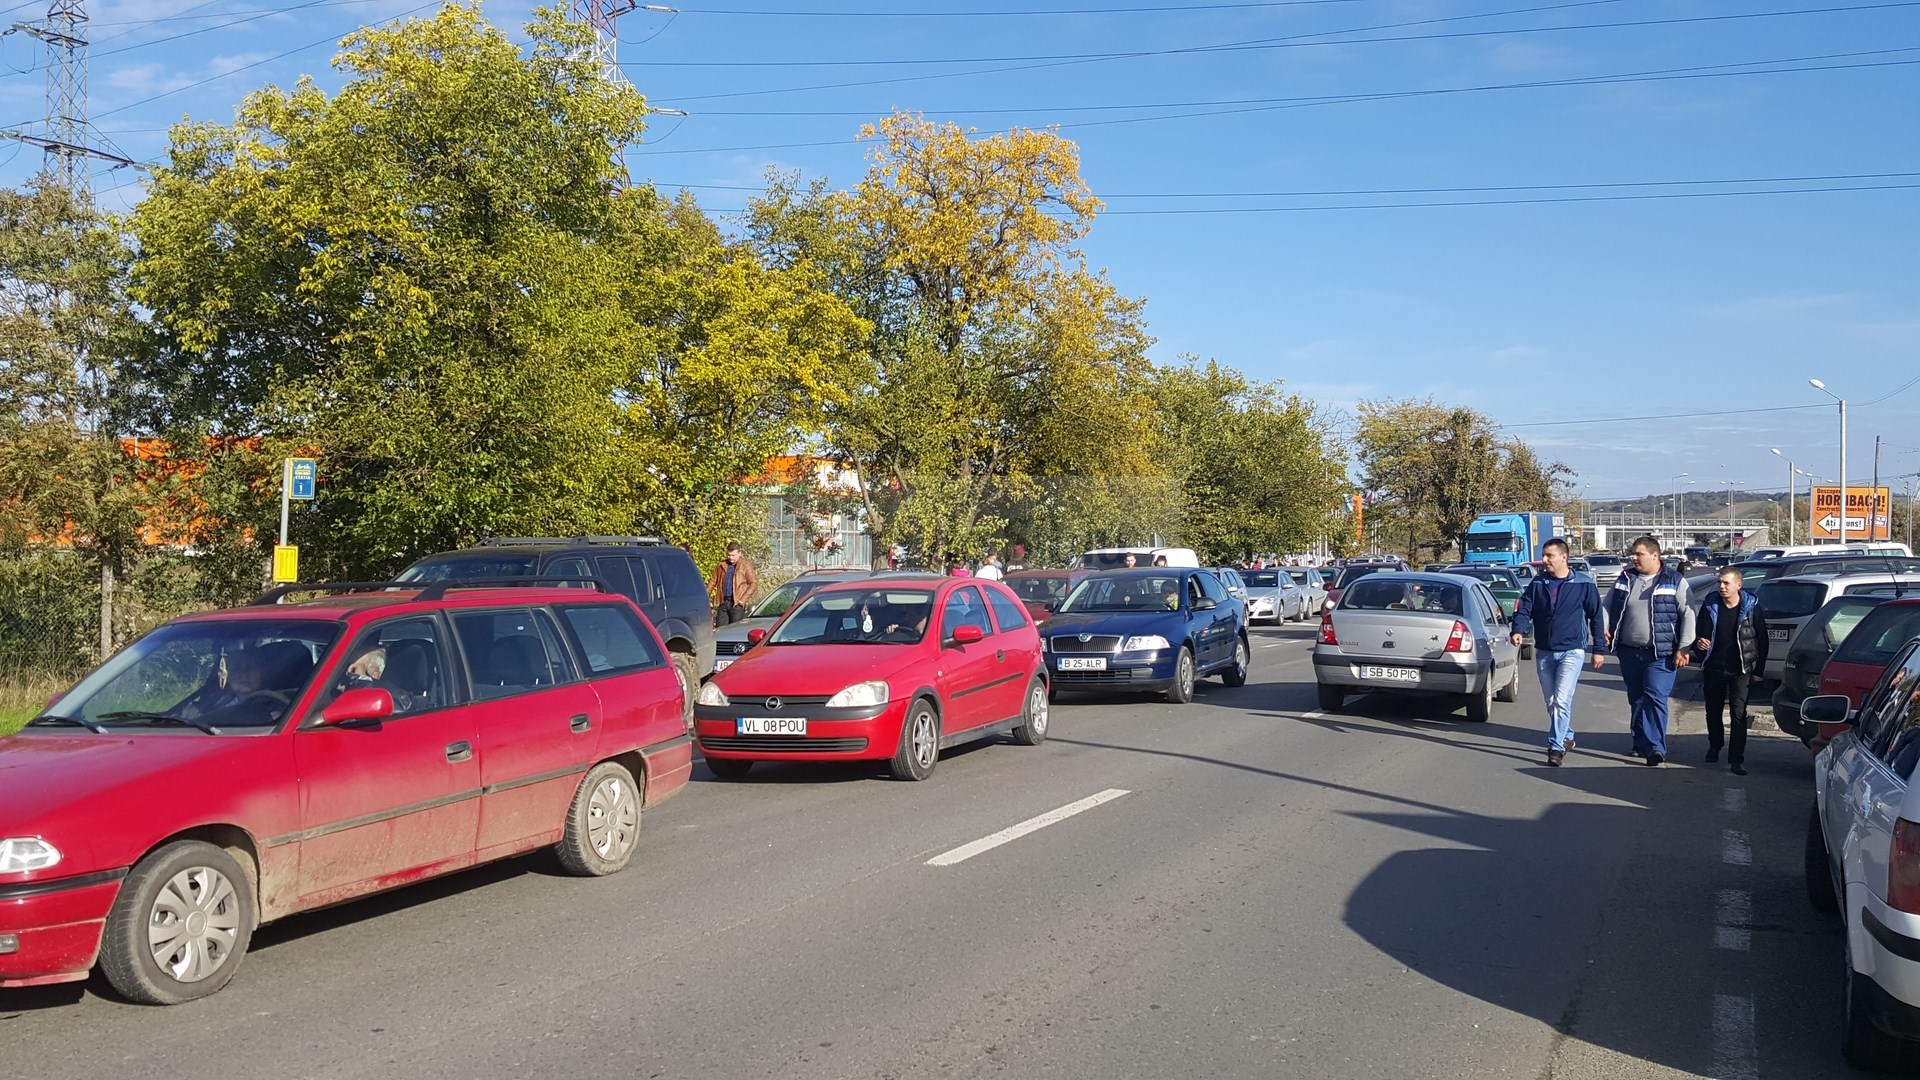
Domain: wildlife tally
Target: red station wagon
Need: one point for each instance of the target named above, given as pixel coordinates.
(894, 670)
(238, 766)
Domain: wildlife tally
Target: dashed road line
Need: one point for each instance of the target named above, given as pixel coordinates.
(1735, 1055)
(1733, 800)
(1735, 849)
(1733, 920)
(1033, 824)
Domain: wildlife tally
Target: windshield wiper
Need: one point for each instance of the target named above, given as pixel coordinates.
(50, 720)
(137, 717)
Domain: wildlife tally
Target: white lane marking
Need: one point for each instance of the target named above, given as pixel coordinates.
(1734, 848)
(1033, 824)
(1733, 920)
(1277, 644)
(1735, 1056)
(1733, 800)
(1314, 715)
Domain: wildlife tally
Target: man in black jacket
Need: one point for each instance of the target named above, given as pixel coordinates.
(1733, 651)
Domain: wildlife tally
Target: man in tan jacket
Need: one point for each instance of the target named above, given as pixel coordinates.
(732, 587)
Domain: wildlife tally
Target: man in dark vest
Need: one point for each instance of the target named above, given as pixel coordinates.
(1732, 650)
(1650, 628)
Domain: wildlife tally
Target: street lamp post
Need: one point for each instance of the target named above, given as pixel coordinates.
(1822, 387)
(1731, 484)
(1792, 471)
(1676, 501)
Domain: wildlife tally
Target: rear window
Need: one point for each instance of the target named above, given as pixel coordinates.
(1263, 579)
(1354, 573)
(475, 567)
(1831, 626)
(1398, 595)
(1792, 599)
(1605, 560)
(1039, 590)
(675, 570)
(1880, 635)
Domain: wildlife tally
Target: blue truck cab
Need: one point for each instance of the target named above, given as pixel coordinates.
(1511, 539)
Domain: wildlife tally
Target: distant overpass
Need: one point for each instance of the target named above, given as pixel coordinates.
(1616, 530)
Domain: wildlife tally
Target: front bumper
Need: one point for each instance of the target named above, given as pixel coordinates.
(1435, 676)
(1124, 671)
(56, 927)
(832, 735)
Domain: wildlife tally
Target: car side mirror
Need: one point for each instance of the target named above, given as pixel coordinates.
(756, 635)
(1827, 709)
(968, 634)
(1205, 603)
(366, 703)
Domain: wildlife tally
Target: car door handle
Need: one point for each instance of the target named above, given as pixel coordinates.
(459, 751)
(580, 723)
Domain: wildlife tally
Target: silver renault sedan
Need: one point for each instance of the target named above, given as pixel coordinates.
(1425, 634)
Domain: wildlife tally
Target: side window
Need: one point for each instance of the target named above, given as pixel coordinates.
(569, 566)
(611, 638)
(1881, 722)
(964, 608)
(674, 569)
(1488, 604)
(401, 657)
(1009, 615)
(1210, 587)
(507, 652)
(612, 569)
(642, 580)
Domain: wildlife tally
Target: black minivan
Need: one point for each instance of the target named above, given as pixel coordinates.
(657, 576)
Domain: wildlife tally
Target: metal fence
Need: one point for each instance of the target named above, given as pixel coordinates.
(802, 542)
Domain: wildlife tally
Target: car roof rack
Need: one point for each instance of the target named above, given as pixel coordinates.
(438, 590)
(274, 595)
(551, 541)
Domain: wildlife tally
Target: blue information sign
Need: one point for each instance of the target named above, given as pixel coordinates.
(301, 475)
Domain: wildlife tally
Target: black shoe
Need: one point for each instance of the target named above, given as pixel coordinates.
(1655, 759)
(1738, 769)
(1554, 757)
(1713, 754)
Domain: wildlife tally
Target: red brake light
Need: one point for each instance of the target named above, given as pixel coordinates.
(1459, 640)
(1903, 867)
(1326, 630)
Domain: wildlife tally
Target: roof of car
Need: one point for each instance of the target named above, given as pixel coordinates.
(340, 604)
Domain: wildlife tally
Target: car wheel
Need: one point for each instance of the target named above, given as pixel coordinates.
(919, 749)
(603, 824)
(729, 768)
(685, 665)
(1181, 691)
(1236, 674)
(1819, 869)
(179, 927)
(1511, 691)
(1331, 698)
(1863, 1045)
(1033, 729)
(1480, 702)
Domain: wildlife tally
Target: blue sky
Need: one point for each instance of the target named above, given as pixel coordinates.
(1536, 312)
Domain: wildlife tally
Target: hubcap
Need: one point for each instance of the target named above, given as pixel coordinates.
(1186, 675)
(924, 745)
(1240, 657)
(194, 923)
(1037, 709)
(612, 816)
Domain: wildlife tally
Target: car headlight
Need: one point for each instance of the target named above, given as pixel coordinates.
(1143, 643)
(19, 853)
(711, 694)
(860, 696)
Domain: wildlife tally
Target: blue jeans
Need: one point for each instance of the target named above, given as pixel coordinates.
(1559, 674)
(1649, 680)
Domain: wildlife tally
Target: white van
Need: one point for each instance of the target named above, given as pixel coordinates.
(1791, 551)
(1115, 558)
(1880, 547)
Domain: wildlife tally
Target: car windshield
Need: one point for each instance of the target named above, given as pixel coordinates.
(1605, 560)
(221, 674)
(782, 599)
(1125, 592)
(869, 616)
(1829, 627)
(1300, 577)
(1880, 635)
(1038, 590)
(1263, 579)
(1394, 594)
(474, 567)
(1114, 560)
(1490, 542)
(1354, 573)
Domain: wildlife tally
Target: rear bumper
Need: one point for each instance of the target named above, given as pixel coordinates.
(1892, 973)
(1786, 713)
(55, 927)
(1435, 676)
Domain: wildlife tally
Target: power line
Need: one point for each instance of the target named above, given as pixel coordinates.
(967, 14)
(181, 16)
(1422, 190)
(1661, 416)
(239, 21)
(1903, 388)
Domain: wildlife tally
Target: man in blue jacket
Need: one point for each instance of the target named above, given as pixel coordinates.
(1562, 609)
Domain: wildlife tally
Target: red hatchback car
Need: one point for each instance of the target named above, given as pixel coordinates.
(238, 766)
(1856, 665)
(890, 670)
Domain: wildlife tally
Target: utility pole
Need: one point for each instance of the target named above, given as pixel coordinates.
(1873, 497)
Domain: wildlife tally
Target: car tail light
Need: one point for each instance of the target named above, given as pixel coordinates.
(1903, 867)
(1459, 640)
(1326, 630)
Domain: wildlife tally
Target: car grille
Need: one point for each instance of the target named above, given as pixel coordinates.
(785, 744)
(731, 648)
(756, 705)
(1071, 643)
(1093, 678)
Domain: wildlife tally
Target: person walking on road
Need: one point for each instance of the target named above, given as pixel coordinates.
(1650, 628)
(1732, 650)
(732, 587)
(1562, 609)
(990, 569)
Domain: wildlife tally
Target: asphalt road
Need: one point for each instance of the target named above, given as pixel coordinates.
(1386, 892)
